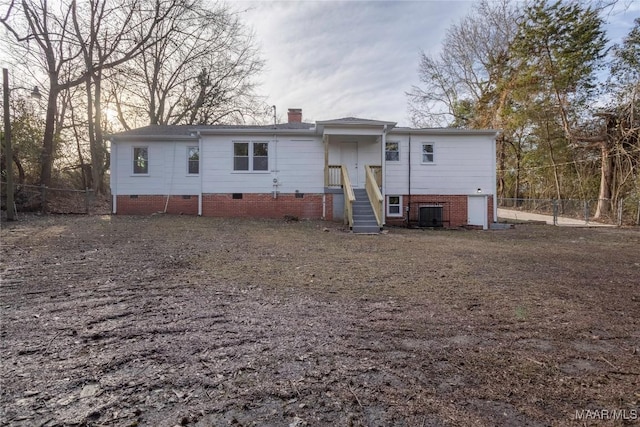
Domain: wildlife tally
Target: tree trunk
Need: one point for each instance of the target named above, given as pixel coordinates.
(517, 183)
(96, 136)
(48, 142)
(606, 178)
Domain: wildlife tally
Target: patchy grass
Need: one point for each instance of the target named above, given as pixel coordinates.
(167, 320)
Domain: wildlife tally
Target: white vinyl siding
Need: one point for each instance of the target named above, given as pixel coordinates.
(462, 164)
(296, 163)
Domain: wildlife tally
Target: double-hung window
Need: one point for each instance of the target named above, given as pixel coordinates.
(193, 160)
(251, 156)
(392, 152)
(428, 152)
(141, 160)
(394, 206)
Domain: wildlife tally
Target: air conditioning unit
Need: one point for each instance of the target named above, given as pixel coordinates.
(430, 216)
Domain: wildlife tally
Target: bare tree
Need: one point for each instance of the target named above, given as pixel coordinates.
(200, 70)
(471, 82)
(466, 84)
(615, 130)
(70, 57)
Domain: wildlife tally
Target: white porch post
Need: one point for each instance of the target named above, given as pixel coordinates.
(384, 174)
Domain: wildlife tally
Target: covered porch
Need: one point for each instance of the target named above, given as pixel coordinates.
(354, 152)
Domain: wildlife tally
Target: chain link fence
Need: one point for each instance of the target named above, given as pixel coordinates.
(623, 213)
(39, 198)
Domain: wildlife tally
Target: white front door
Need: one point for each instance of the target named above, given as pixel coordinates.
(349, 158)
(477, 211)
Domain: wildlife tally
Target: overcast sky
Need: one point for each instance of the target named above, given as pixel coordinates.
(358, 58)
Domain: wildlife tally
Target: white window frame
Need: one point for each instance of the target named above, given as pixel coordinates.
(135, 160)
(389, 205)
(250, 157)
(387, 152)
(433, 153)
(197, 150)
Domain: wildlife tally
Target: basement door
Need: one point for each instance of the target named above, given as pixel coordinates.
(477, 211)
(349, 158)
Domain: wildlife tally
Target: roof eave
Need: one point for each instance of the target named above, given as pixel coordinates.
(445, 131)
(150, 138)
(310, 131)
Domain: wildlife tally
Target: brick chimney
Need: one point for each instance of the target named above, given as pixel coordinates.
(295, 115)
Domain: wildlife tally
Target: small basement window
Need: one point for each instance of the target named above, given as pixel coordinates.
(394, 206)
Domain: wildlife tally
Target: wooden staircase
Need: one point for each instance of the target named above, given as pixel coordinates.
(364, 219)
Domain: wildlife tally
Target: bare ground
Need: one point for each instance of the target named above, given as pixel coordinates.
(171, 320)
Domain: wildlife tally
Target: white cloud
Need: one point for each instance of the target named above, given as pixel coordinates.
(337, 59)
(358, 58)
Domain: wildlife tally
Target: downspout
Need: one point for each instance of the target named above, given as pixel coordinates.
(495, 182)
(276, 182)
(409, 181)
(384, 173)
(173, 170)
(201, 170)
(114, 177)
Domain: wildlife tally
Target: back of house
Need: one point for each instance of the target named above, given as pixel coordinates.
(366, 173)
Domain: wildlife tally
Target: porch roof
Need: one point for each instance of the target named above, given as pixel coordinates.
(355, 121)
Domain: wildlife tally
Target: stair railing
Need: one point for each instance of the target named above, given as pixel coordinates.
(373, 191)
(349, 196)
(377, 172)
(333, 176)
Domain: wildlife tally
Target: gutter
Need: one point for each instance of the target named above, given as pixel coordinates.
(266, 132)
(443, 131)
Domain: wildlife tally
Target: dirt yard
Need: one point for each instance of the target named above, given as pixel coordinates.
(174, 320)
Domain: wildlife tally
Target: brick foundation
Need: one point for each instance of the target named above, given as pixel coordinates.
(146, 205)
(454, 209)
(251, 205)
(247, 205)
(303, 206)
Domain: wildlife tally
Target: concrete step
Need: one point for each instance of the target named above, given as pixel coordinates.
(363, 211)
(362, 205)
(364, 217)
(364, 220)
(366, 229)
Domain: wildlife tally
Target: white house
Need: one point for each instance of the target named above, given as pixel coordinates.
(367, 173)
